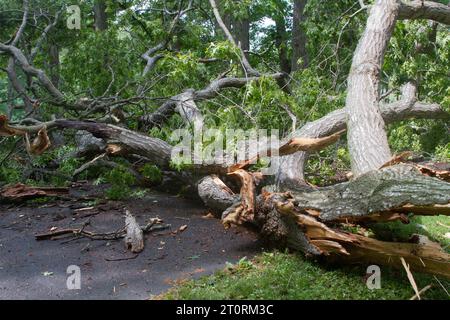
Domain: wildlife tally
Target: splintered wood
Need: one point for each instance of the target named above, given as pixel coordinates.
(309, 144)
(421, 254)
(292, 146)
(320, 217)
(134, 238)
(6, 130)
(21, 192)
(245, 211)
(40, 143)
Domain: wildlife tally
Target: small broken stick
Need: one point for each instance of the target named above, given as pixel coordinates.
(134, 239)
(153, 225)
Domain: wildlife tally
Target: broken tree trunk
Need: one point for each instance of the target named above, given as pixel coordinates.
(313, 221)
(134, 239)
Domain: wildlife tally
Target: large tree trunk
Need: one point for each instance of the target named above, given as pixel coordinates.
(241, 31)
(299, 36)
(100, 17)
(54, 64)
(291, 171)
(367, 139)
(281, 43)
(313, 221)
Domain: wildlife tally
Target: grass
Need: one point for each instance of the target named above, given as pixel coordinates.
(278, 275)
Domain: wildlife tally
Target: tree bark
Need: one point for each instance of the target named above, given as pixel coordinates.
(313, 221)
(241, 30)
(100, 16)
(54, 64)
(281, 43)
(291, 172)
(367, 139)
(299, 38)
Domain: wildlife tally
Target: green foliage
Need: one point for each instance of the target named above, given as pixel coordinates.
(120, 179)
(152, 173)
(10, 174)
(108, 63)
(433, 227)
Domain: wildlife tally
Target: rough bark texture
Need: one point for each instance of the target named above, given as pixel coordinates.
(100, 17)
(54, 64)
(241, 30)
(419, 9)
(310, 221)
(134, 239)
(375, 192)
(367, 139)
(299, 36)
(291, 171)
(281, 38)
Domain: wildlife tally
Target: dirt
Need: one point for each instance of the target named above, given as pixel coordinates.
(31, 269)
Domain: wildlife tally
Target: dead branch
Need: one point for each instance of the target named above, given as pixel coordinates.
(134, 238)
(21, 192)
(154, 224)
(168, 108)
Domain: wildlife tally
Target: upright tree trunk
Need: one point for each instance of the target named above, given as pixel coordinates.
(281, 43)
(299, 36)
(367, 139)
(53, 53)
(100, 22)
(241, 32)
(11, 105)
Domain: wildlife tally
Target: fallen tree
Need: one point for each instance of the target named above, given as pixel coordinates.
(286, 210)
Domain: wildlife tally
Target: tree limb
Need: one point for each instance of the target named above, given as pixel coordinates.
(419, 9)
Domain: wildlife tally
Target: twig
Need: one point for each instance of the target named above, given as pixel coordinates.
(123, 259)
(410, 277)
(414, 297)
(441, 285)
(79, 232)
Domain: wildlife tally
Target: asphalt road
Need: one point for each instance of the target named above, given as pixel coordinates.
(31, 269)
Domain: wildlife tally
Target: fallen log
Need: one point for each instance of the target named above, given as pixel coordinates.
(22, 192)
(312, 220)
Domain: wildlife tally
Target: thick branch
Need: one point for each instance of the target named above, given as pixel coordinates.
(419, 9)
(167, 109)
(150, 55)
(32, 71)
(291, 171)
(44, 34)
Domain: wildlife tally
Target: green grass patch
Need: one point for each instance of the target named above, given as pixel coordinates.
(277, 275)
